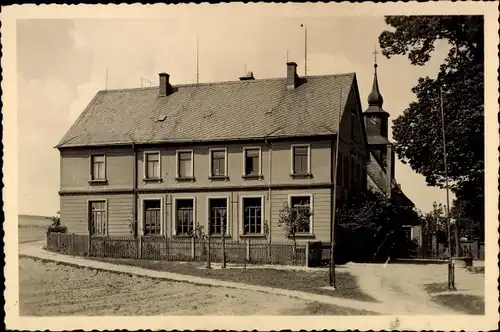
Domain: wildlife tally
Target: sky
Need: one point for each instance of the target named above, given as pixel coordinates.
(61, 64)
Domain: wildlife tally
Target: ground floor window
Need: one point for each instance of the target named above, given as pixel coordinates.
(252, 215)
(152, 217)
(298, 203)
(184, 212)
(218, 215)
(97, 218)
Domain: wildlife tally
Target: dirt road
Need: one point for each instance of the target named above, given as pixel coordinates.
(51, 289)
(400, 287)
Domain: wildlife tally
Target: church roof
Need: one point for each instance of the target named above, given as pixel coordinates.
(247, 109)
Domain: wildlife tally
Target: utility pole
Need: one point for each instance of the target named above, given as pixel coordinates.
(451, 271)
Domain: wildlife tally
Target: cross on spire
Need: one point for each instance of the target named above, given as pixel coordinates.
(375, 52)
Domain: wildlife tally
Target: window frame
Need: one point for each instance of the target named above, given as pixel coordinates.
(244, 163)
(177, 161)
(174, 213)
(242, 217)
(145, 165)
(143, 216)
(292, 158)
(311, 207)
(106, 209)
(352, 168)
(353, 123)
(228, 214)
(210, 170)
(91, 164)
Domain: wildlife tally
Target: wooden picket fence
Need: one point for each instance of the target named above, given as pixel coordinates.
(251, 251)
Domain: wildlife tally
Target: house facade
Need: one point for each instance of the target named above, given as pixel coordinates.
(226, 156)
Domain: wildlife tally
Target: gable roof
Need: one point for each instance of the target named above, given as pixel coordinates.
(248, 109)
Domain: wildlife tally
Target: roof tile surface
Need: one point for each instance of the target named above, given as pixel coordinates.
(212, 111)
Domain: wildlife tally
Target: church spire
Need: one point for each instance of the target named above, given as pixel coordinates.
(375, 97)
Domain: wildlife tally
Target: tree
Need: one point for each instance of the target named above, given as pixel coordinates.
(56, 226)
(370, 228)
(417, 133)
(434, 223)
(292, 220)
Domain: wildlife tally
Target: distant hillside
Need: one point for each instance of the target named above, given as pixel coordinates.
(25, 220)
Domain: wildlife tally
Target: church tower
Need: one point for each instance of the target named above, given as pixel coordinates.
(377, 127)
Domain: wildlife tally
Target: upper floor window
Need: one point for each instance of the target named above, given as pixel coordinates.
(251, 161)
(218, 162)
(353, 168)
(346, 172)
(152, 165)
(185, 164)
(301, 159)
(353, 124)
(98, 170)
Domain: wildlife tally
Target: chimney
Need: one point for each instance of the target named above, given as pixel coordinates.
(165, 87)
(291, 75)
(248, 77)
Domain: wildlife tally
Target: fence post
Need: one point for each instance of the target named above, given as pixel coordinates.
(248, 249)
(73, 243)
(208, 251)
(139, 247)
(58, 241)
(193, 248)
(307, 253)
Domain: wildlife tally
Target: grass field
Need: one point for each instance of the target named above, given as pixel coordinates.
(288, 279)
(51, 289)
(31, 228)
(30, 234)
(32, 221)
(465, 303)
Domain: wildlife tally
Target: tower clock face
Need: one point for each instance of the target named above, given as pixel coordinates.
(373, 120)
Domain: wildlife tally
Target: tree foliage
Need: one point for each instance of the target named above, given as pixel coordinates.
(418, 133)
(56, 226)
(292, 220)
(370, 227)
(434, 223)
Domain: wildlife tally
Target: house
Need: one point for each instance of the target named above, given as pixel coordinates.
(230, 153)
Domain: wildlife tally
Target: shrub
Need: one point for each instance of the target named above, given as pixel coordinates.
(56, 226)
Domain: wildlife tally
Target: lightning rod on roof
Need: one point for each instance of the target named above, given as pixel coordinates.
(106, 86)
(305, 48)
(143, 79)
(197, 60)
